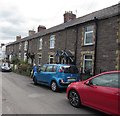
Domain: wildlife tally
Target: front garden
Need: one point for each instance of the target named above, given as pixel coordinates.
(21, 67)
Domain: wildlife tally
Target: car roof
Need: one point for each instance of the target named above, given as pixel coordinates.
(108, 72)
(59, 64)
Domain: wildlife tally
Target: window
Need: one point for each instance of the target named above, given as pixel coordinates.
(70, 69)
(19, 55)
(20, 46)
(26, 45)
(63, 61)
(39, 58)
(51, 59)
(87, 64)
(49, 69)
(107, 80)
(25, 57)
(54, 68)
(88, 35)
(52, 41)
(10, 58)
(40, 43)
(43, 68)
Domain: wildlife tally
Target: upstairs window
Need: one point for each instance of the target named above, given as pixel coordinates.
(52, 41)
(88, 35)
(26, 45)
(40, 43)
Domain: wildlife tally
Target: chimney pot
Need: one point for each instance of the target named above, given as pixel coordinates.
(68, 16)
(41, 27)
(31, 32)
(18, 37)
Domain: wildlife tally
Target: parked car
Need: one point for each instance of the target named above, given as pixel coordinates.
(56, 76)
(5, 67)
(101, 92)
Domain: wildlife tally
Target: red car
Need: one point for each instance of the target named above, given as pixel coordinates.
(101, 92)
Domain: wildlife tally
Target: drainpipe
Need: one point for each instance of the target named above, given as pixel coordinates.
(76, 45)
(27, 51)
(96, 37)
(65, 38)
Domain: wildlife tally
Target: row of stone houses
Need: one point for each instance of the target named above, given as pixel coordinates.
(91, 42)
(2, 52)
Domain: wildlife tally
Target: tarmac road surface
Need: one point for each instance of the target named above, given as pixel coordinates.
(21, 96)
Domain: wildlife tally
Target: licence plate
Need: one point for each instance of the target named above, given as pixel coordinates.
(71, 79)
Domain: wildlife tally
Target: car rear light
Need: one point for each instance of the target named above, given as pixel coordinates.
(60, 70)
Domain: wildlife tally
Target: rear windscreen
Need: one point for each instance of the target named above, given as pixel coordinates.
(70, 69)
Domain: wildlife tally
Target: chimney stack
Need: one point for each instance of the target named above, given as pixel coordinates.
(41, 27)
(18, 37)
(31, 32)
(68, 16)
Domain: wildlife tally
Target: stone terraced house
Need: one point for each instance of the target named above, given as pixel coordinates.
(91, 42)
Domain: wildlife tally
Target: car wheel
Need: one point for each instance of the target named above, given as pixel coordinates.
(54, 86)
(35, 81)
(74, 98)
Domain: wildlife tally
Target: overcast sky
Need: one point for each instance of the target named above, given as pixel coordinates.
(19, 16)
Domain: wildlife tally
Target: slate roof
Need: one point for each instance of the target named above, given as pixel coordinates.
(101, 14)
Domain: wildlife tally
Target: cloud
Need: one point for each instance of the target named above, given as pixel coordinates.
(12, 24)
(18, 16)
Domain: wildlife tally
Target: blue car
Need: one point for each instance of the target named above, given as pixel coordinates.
(56, 76)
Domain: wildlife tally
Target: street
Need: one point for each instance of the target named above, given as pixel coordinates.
(21, 96)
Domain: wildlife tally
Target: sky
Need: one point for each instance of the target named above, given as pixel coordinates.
(17, 17)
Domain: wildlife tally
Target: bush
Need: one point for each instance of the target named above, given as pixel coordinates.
(22, 67)
(25, 69)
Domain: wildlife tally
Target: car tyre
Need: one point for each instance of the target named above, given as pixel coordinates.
(35, 81)
(54, 86)
(74, 98)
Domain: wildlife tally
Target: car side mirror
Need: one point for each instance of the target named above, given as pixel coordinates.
(89, 83)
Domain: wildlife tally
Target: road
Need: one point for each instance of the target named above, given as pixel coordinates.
(21, 96)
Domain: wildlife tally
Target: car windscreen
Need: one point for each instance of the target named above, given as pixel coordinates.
(70, 69)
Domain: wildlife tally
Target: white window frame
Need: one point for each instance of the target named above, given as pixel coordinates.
(20, 46)
(26, 45)
(10, 57)
(85, 35)
(87, 60)
(52, 41)
(51, 56)
(40, 43)
(19, 55)
(63, 61)
(25, 57)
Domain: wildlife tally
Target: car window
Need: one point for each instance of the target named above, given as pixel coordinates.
(54, 68)
(43, 68)
(70, 69)
(107, 80)
(49, 68)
